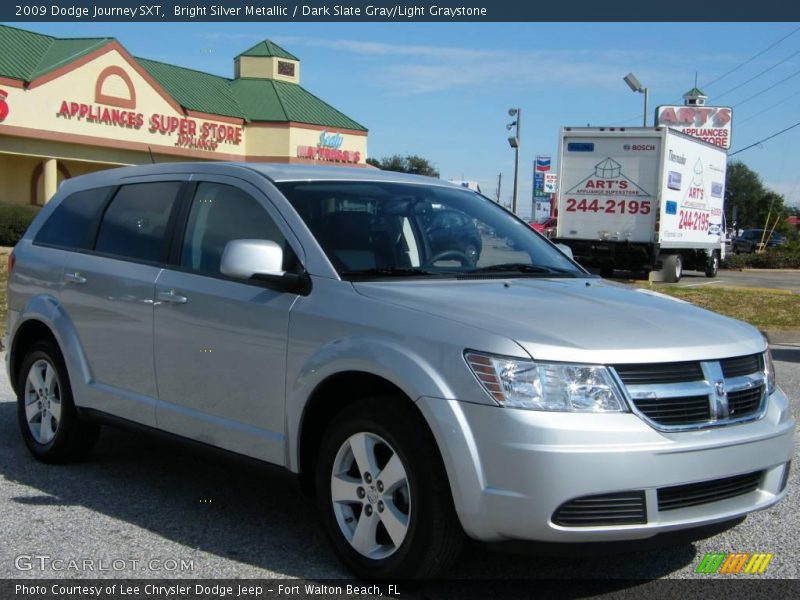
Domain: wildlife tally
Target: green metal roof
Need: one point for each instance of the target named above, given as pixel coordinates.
(268, 48)
(26, 55)
(271, 100)
(694, 92)
(195, 90)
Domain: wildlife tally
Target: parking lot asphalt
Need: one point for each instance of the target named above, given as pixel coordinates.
(151, 509)
(778, 279)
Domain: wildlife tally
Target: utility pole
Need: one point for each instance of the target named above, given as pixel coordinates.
(499, 183)
(514, 142)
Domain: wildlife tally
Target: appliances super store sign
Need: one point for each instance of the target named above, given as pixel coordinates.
(184, 131)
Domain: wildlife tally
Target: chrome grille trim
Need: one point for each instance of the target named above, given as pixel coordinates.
(651, 401)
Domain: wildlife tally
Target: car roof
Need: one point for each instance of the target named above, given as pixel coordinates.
(275, 172)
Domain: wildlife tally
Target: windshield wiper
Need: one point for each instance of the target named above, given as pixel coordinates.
(523, 268)
(391, 272)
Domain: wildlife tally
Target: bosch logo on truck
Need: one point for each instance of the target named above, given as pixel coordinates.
(639, 147)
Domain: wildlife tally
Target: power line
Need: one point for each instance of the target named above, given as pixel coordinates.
(769, 108)
(758, 143)
(754, 77)
(751, 59)
(767, 89)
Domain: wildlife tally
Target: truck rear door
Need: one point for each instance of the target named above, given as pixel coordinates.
(609, 186)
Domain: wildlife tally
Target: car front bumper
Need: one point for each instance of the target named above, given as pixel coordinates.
(510, 470)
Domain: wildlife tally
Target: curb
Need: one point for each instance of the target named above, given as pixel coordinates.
(782, 336)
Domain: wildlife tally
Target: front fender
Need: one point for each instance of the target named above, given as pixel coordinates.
(399, 365)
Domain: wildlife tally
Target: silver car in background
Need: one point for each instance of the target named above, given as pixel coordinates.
(426, 387)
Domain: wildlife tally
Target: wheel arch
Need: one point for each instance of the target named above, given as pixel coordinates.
(44, 318)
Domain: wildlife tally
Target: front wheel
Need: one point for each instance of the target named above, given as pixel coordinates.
(50, 425)
(383, 494)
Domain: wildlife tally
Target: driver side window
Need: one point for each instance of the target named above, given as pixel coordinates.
(221, 213)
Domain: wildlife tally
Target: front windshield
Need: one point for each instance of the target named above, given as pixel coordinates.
(381, 229)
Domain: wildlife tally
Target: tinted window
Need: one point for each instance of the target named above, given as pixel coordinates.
(135, 223)
(72, 223)
(221, 213)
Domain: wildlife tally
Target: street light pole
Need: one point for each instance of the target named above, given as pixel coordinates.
(515, 143)
(636, 86)
(646, 93)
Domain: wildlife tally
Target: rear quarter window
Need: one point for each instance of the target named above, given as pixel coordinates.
(72, 224)
(136, 223)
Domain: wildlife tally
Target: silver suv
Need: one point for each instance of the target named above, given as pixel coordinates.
(427, 389)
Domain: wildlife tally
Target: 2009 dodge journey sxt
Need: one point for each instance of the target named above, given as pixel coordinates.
(428, 364)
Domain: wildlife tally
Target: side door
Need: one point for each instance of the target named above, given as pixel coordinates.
(220, 343)
(108, 294)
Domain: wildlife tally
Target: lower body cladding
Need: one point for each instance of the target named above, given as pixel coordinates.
(574, 477)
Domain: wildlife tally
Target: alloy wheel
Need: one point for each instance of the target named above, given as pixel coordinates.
(43, 401)
(371, 495)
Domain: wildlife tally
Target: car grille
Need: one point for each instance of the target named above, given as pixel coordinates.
(695, 394)
(623, 508)
(694, 494)
(741, 365)
(675, 411)
(660, 373)
(745, 402)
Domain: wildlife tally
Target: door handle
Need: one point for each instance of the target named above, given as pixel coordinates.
(173, 297)
(74, 278)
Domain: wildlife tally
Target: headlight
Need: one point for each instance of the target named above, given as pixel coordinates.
(769, 371)
(562, 387)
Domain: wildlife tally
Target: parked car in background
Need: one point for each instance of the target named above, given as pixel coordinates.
(547, 227)
(750, 239)
(454, 233)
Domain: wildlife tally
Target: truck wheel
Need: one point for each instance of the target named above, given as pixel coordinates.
(673, 268)
(383, 493)
(712, 266)
(50, 425)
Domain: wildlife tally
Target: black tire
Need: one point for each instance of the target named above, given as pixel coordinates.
(673, 268)
(434, 537)
(712, 266)
(72, 438)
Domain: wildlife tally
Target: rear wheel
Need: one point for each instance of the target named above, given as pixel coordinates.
(383, 494)
(673, 268)
(49, 423)
(712, 266)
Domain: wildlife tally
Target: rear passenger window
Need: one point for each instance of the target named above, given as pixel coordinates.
(221, 213)
(135, 223)
(73, 222)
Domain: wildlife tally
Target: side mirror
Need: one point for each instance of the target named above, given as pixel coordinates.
(565, 250)
(244, 258)
(262, 260)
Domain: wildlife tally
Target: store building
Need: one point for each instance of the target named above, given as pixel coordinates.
(73, 106)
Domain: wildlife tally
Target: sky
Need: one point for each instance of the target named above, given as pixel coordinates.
(443, 90)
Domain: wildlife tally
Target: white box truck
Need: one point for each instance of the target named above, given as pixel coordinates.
(641, 199)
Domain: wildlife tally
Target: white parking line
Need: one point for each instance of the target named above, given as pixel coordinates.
(699, 284)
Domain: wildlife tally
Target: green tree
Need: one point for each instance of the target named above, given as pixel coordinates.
(412, 163)
(746, 196)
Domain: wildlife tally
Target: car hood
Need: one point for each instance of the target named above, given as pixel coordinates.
(576, 320)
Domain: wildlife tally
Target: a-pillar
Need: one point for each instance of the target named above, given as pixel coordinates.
(50, 178)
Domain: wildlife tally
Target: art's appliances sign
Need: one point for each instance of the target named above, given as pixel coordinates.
(187, 132)
(709, 123)
(329, 149)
